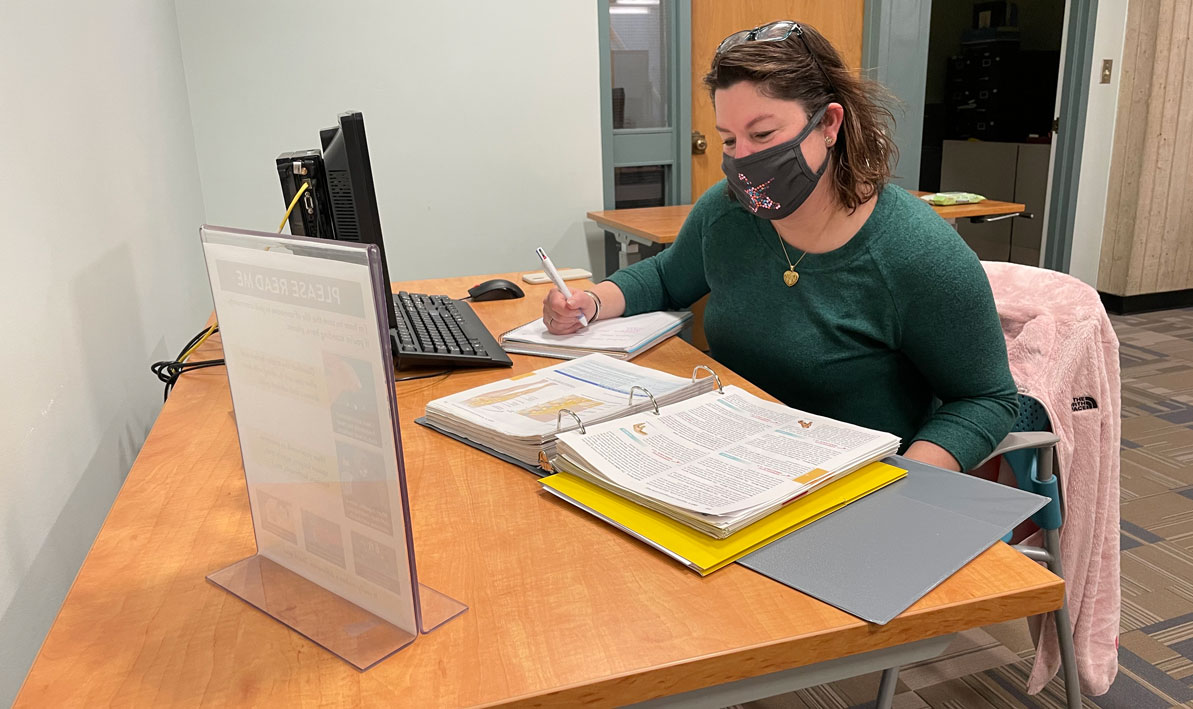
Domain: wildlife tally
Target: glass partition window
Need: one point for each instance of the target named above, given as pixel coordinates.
(638, 44)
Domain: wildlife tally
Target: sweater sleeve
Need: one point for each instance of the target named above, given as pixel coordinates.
(950, 330)
(674, 278)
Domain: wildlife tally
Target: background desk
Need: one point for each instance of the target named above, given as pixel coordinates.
(564, 610)
(660, 225)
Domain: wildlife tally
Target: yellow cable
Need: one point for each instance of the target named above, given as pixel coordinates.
(281, 226)
(202, 339)
(293, 202)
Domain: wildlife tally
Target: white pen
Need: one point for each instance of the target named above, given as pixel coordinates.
(554, 275)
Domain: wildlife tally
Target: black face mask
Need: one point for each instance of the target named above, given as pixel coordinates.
(774, 183)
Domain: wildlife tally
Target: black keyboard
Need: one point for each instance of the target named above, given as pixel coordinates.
(434, 330)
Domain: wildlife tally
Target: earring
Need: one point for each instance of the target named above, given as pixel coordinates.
(828, 142)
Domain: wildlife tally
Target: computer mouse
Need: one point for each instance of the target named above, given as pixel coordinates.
(496, 289)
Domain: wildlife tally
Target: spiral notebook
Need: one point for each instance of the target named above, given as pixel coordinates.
(620, 338)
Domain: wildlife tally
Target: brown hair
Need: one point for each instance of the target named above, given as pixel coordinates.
(863, 156)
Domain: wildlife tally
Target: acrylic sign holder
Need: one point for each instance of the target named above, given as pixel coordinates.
(306, 343)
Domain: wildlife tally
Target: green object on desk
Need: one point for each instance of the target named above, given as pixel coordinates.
(947, 199)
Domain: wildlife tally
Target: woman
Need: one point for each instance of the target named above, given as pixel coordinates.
(833, 291)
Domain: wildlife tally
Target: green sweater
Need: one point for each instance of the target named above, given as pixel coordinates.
(874, 332)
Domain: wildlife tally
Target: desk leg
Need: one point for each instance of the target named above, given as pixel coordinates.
(886, 688)
(628, 247)
(747, 690)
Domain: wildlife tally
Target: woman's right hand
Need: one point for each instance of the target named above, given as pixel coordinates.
(562, 316)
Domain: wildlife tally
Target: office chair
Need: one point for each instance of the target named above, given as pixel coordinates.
(1030, 451)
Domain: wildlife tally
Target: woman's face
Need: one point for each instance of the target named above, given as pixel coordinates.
(749, 121)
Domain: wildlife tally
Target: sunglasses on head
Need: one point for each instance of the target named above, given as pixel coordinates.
(773, 32)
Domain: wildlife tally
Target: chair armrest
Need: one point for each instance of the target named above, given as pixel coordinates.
(1020, 440)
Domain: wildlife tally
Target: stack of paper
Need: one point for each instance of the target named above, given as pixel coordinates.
(517, 416)
(623, 338)
(700, 552)
(704, 475)
(720, 461)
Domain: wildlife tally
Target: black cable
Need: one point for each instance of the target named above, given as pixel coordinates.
(424, 376)
(168, 371)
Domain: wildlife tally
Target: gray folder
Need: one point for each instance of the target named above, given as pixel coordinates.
(879, 555)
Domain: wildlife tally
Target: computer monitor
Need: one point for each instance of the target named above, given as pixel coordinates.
(350, 186)
(425, 330)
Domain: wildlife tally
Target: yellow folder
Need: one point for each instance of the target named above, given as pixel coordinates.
(703, 553)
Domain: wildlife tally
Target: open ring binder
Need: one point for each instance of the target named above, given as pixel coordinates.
(569, 412)
(479, 416)
(708, 369)
(646, 391)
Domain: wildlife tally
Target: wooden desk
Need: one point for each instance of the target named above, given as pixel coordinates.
(644, 225)
(985, 208)
(563, 609)
(660, 225)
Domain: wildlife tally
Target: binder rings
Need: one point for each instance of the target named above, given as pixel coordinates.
(517, 419)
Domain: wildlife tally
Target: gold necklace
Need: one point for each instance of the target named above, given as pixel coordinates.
(790, 276)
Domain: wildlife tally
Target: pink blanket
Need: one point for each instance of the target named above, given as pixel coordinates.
(1064, 353)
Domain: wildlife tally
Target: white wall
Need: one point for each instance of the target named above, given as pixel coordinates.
(102, 275)
(484, 129)
(1099, 142)
(483, 119)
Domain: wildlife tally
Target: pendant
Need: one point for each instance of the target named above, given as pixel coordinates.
(790, 277)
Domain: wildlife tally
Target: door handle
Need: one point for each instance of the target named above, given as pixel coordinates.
(699, 143)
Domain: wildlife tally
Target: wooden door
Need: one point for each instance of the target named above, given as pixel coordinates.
(713, 20)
